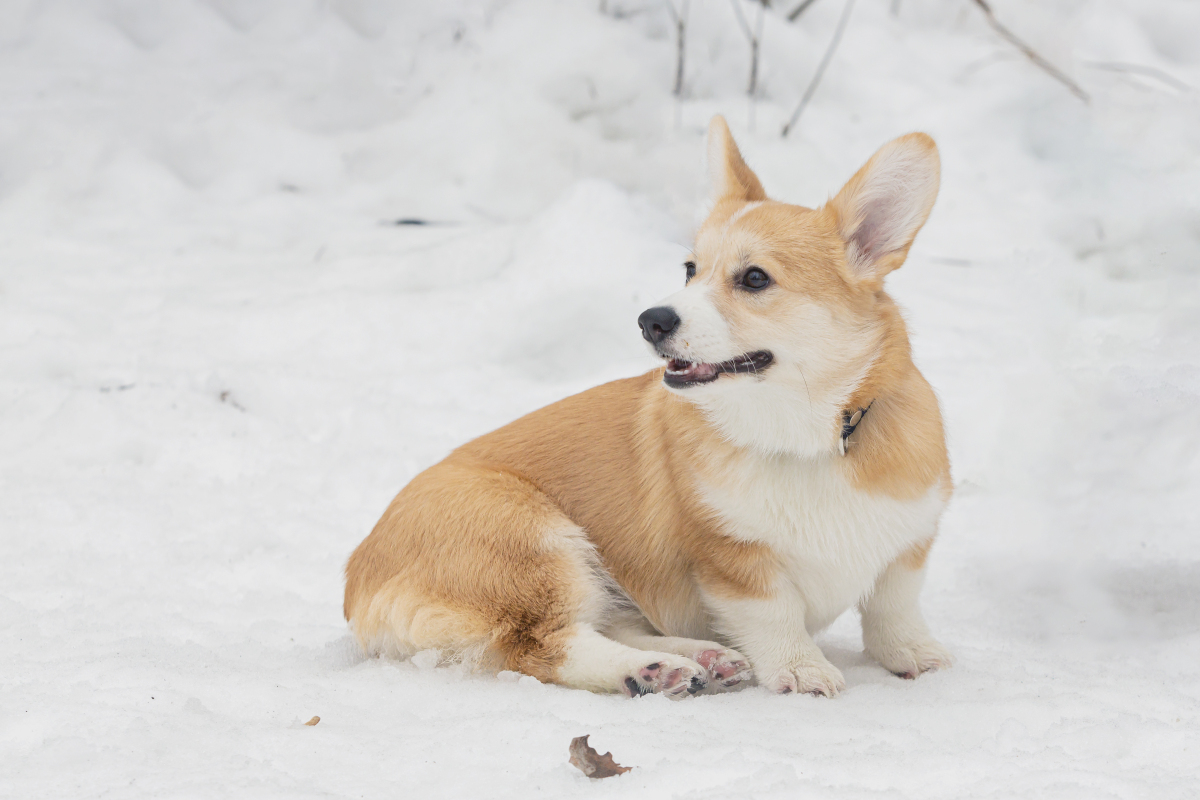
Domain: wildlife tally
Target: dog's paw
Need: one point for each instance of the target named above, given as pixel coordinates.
(807, 677)
(672, 676)
(910, 659)
(725, 668)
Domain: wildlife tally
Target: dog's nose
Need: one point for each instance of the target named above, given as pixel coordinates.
(658, 323)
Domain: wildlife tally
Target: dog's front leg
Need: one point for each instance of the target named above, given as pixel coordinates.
(894, 631)
(771, 633)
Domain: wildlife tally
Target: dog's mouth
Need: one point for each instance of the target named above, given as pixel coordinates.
(682, 373)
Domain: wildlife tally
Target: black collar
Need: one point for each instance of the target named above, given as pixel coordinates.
(850, 422)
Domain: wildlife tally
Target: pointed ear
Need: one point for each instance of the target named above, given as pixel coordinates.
(731, 178)
(881, 208)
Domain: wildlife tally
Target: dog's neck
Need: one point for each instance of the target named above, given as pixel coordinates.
(798, 416)
(774, 419)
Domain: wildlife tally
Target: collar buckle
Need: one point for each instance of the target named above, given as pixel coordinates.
(850, 422)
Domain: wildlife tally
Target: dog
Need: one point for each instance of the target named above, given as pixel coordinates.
(691, 529)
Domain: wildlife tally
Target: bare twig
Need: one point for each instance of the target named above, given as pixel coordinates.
(1030, 53)
(737, 10)
(680, 19)
(1139, 69)
(757, 44)
(754, 38)
(795, 13)
(812, 86)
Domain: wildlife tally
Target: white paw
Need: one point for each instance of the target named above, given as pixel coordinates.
(817, 677)
(724, 668)
(674, 676)
(910, 659)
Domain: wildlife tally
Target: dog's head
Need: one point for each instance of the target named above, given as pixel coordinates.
(783, 314)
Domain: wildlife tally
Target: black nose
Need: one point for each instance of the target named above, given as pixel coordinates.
(658, 323)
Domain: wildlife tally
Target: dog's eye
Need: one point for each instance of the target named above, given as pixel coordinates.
(691, 270)
(755, 279)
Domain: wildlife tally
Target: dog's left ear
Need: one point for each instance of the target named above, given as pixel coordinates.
(731, 178)
(881, 208)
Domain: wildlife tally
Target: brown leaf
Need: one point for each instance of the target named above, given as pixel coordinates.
(591, 763)
(313, 721)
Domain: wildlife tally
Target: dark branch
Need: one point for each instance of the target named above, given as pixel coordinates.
(737, 10)
(680, 19)
(1139, 69)
(1030, 53)
(816, 80)
(798, 10)
(754, 38)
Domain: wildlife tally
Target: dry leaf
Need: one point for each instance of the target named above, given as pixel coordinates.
(313, 721)
(591, 763)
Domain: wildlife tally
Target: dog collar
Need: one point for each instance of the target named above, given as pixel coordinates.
(850, 422)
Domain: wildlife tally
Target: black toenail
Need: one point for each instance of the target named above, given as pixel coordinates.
(786, 690)
(635, 690)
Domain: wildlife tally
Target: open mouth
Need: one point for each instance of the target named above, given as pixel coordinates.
(688, 373)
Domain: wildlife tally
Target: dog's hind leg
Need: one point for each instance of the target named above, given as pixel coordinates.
(478, 562)
(599, 664)
(572, 652)
(723, 668)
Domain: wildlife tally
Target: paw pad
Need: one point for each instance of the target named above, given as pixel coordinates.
(673, 681)
(725, 667)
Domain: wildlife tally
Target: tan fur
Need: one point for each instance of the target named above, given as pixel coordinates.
(500, 550)
(915, 558)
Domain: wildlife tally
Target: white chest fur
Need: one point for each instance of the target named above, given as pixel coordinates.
(832, 539)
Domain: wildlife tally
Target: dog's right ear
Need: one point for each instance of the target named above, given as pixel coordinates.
(731, 178)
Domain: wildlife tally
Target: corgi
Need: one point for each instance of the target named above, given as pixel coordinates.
(691, 529)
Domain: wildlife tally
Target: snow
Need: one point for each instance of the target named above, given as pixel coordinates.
(219, 359)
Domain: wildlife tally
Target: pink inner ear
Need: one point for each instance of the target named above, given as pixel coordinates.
(870, 236)
(883, 206)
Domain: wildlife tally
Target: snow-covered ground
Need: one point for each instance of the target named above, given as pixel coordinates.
(219, 359)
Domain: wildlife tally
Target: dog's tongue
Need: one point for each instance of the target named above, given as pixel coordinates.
(690, 371)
